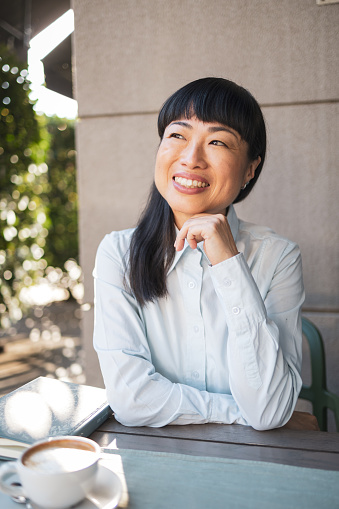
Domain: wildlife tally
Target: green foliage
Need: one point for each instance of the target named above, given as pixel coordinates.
(23, 183)
(62, 240)
(38, 200)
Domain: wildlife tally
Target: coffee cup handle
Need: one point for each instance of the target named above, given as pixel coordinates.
(6, 470)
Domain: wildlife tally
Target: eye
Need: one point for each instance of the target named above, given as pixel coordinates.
(176, 135)
(218, 143)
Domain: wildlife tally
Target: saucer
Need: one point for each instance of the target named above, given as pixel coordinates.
(106, 493)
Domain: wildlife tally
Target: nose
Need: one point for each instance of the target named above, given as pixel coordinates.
(193, 156)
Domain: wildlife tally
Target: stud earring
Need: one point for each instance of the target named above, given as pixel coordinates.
(245, 185)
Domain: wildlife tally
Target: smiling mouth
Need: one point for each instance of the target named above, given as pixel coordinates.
(189, 183)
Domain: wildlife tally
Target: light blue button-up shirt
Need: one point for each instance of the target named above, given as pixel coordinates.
(223, 346)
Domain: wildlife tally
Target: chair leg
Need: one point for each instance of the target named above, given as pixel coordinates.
(321, 414)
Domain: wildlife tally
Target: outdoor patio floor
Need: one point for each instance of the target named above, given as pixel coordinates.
(45, 345)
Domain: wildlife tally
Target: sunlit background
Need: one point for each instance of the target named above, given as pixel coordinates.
(48, 101)
(41, 285)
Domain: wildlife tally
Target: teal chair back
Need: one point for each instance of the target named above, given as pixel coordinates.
(320, 397)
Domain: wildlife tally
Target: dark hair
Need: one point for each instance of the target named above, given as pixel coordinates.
(210, 100)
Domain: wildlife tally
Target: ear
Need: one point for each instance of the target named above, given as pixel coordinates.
(251, 169)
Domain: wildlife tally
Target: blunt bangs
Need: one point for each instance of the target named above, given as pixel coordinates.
(222, 101)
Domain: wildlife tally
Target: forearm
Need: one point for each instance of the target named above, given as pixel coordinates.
(263, 350)
(141, 397)
(264, 385)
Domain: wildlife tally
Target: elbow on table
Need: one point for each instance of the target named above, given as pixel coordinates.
(127, 415)
(131, 420)
(273, 411)
(263, 426)
(135, 416)
(267, 422)
(145, 406)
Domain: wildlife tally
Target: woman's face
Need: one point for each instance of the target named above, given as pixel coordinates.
(201, 167)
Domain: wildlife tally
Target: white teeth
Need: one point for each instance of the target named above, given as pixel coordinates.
(190, 183)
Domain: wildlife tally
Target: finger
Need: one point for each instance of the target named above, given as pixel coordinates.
(180, 239)
(191, 240)
(194, 230)
(179, 244)
(187, 232)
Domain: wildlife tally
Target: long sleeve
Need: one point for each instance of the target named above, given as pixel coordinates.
(137, 393)
(264, 340)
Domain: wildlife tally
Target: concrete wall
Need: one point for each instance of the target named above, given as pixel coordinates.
(131, 54)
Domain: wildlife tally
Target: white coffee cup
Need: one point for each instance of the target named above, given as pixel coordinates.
(54, 473)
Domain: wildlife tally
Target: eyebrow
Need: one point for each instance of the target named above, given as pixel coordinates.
(212, 129)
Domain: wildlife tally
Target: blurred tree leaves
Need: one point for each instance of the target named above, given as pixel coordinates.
(38, 200)
(62, 240)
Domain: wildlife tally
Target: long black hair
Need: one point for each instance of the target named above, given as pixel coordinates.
(210, 100)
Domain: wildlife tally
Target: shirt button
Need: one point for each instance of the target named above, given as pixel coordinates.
(227, 282)
(196, 328)
(195, 374)
(235, 310)
(191, 284)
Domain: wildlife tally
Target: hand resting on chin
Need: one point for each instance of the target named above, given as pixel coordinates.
(214, 230)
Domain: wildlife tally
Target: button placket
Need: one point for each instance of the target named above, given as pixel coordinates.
(195, 353)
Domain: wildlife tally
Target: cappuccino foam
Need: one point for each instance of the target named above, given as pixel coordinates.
(58, 459)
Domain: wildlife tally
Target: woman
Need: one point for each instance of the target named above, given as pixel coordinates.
(197, 313)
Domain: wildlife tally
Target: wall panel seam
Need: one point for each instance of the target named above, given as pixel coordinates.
(299, 103)
(115, 115)
(155, 112)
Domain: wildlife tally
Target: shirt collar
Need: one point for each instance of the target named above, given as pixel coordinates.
(233, 221)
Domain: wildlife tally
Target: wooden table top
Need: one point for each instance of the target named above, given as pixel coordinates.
(215, 475)
(313, 449)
